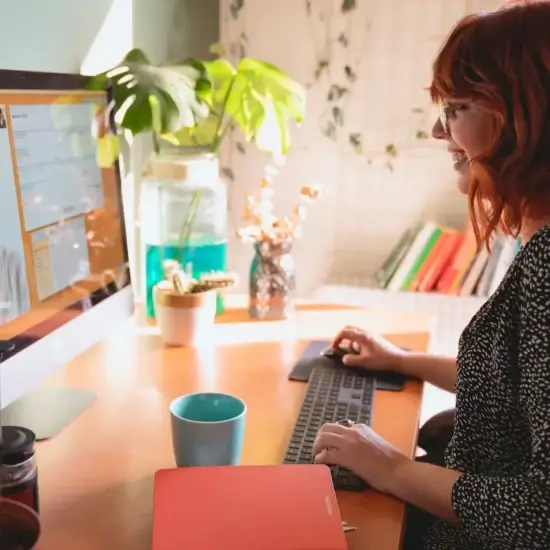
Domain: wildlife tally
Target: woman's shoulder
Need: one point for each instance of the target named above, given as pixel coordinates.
(536, 251)
(534, 265)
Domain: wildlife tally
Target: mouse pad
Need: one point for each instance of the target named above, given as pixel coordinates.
(312, 356)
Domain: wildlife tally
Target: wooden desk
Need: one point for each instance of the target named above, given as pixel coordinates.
(96, 477)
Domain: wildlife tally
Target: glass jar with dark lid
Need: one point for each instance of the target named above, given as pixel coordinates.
(18, 470)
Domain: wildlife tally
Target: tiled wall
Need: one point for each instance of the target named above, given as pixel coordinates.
(387, 48)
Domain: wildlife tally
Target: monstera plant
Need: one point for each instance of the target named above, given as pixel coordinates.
(196, 103)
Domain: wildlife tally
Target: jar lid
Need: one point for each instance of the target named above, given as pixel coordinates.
(16, 440)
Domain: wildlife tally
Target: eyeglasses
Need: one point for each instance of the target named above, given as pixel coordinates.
(449, 110)
(443, 117)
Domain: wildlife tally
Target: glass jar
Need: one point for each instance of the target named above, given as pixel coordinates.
(272, 282)
(168, 189)
(18, 471)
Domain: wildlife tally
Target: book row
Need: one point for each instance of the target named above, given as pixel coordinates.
(432, 258)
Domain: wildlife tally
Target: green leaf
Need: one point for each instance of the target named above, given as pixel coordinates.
(356, 141)
(336, 92)
(350, 73)
(220, 75)
(107, 150)
(217, 49)
(329, 130)
(338, 116)
(201, 135)
(422, 134)
(259, 88)
(343, 40)
(226, 172)
(348, 5)
(253, 94)
(391, 150)
(235, 8)
(321, 67)
(150, 98)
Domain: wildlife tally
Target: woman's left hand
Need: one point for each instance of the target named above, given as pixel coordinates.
(360, 450)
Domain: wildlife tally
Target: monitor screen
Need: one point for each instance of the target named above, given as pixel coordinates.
(62, 242)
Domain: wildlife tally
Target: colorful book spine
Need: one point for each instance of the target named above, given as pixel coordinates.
(507, 256)
(387, 270)
(474, 273)
(452, 243)
(431, 258)
(422, 256)
(409, 261)
(484, 283)
(450, 279)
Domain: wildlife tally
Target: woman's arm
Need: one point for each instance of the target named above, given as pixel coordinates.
(427, 487)
(505, 512)
(435, 369)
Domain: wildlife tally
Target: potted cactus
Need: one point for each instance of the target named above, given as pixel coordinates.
(185, 307)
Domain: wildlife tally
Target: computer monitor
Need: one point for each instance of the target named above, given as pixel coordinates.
(64, 276)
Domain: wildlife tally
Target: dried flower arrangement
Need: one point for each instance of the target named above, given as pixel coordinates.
(179, 281)
(261, 223)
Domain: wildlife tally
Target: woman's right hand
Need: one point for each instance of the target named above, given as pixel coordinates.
(370, 350)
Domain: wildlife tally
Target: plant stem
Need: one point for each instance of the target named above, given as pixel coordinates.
(223, 133)
(219, 134)
(185, 232)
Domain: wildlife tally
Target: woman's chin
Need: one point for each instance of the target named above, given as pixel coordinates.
(462, 185)
(463, 181)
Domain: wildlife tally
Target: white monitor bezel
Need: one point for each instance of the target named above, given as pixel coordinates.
(90, 319)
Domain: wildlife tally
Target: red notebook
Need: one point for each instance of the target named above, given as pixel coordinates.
(285, 507)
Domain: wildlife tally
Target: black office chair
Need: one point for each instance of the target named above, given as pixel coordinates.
(435, 434)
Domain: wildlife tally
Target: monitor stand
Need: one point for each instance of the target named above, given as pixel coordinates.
(47, 411)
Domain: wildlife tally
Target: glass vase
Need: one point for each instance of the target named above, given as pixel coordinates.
(272, 282)
(167, 192)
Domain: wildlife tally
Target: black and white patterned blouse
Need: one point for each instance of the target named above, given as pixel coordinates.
(501, 441)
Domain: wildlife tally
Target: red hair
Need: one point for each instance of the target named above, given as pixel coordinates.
(502, 60)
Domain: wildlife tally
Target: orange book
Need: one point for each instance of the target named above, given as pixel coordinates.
(465, 258)
(456, 267)
(445, 257)
(287, 507)
(430, 259)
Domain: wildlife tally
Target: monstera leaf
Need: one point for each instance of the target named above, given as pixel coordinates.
(253, 94)
(209, 131)
(158, 99)
(261, 88)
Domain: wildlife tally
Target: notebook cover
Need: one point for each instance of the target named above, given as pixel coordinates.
(283, 507)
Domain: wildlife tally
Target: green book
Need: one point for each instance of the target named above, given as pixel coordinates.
(387, 270)
(421, 257)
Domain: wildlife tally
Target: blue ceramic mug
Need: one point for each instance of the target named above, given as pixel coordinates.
(207, 429)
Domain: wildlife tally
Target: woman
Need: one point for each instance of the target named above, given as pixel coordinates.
(492, 82)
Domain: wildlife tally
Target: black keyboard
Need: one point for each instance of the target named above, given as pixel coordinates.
(333, 393)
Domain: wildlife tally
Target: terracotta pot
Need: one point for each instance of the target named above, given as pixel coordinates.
(19, 526)
(185, 319)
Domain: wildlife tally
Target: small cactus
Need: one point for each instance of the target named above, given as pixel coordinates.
(182, 283)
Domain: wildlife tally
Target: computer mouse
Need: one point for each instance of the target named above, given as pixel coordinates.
(337, 353)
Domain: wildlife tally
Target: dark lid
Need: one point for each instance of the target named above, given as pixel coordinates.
(16, 440)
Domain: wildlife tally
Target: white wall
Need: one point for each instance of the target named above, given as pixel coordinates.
(390, 48)
(51, 36)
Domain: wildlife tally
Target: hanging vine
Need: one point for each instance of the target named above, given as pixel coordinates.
(342, 79)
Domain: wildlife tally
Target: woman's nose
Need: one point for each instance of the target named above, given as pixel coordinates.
(438, 132)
